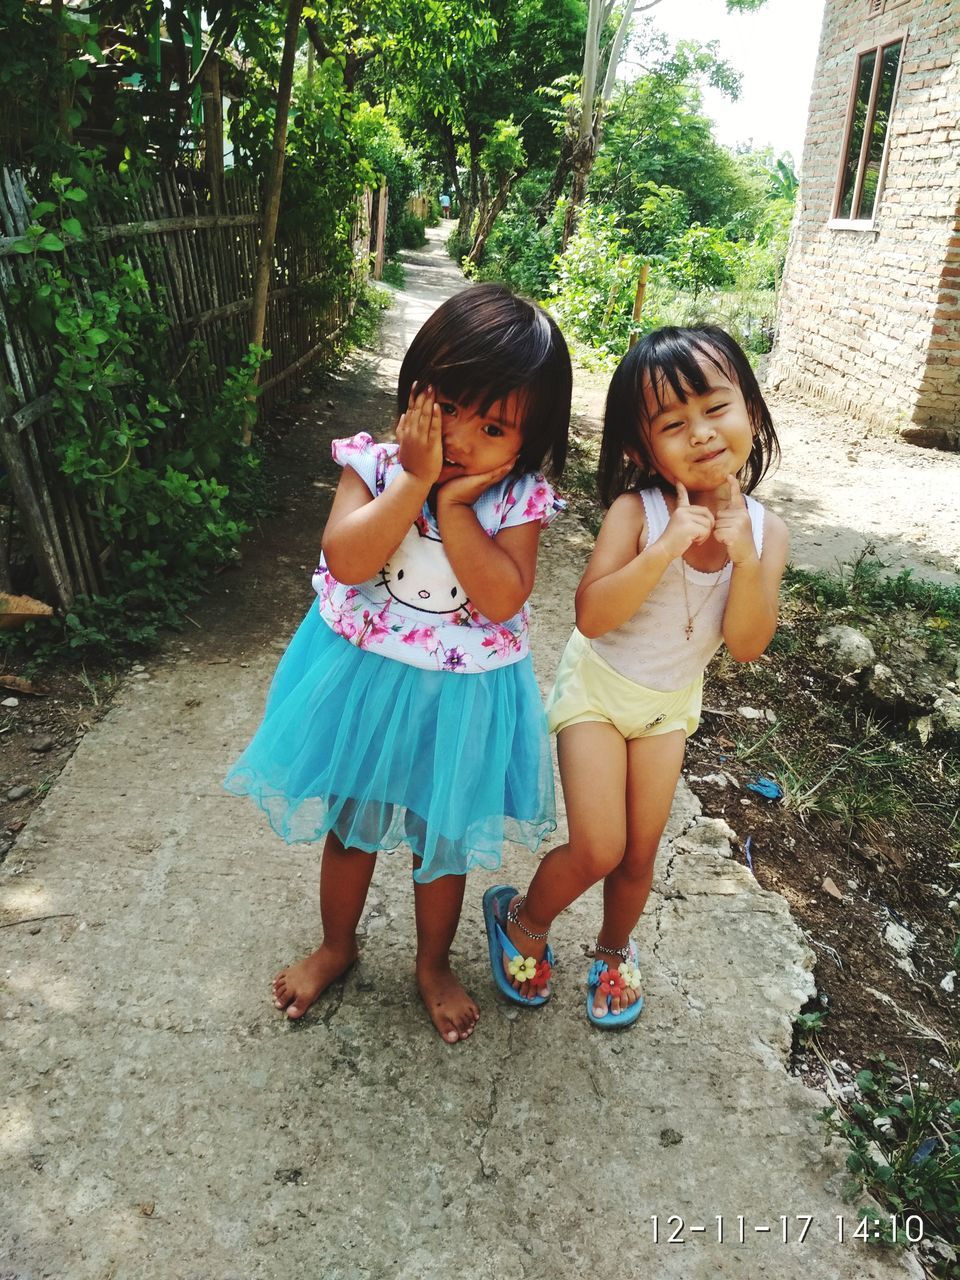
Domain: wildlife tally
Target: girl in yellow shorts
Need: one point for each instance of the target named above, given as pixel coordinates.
(684, 563)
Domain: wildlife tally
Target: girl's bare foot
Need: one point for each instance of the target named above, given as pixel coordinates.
(451, 1009)
(536, 948)
(298, 986)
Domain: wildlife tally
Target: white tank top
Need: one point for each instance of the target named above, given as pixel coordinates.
(651, 648)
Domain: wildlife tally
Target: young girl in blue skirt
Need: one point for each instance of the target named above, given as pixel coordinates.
(405, 710)
(684, 563)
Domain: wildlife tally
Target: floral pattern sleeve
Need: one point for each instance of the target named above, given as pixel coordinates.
(528, 498)
(370, 460)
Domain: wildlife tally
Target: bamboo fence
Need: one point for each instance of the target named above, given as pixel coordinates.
(199, 265)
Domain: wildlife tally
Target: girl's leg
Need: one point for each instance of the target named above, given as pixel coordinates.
(653, 769)
(345, 876)
(593, 772)
(437, 907)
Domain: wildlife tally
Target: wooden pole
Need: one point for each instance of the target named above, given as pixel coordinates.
(381, 232)
(274, 185)
(213, 132)
(638, 300)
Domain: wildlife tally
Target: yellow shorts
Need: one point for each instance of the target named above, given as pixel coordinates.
(588, 689)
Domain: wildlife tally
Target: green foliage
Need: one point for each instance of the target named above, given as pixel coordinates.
(865, 583)
(700, 258)
(502, 155)
(810, 1023)
(385, 157)
(904, 1142)
(655, 132)
(520, 252)
(595, 282)
(159, 468)
(659, 217)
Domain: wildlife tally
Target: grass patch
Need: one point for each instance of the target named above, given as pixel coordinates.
(394, 273)
(904, 1138)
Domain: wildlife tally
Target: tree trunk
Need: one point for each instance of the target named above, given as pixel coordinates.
(578, 155)
(273, 187)
(488, 218)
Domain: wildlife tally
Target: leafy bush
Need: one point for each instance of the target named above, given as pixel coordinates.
(905, 1151)
(409, 230)
(748, 315)
(701, 257)
(519, 253)
(595, 282)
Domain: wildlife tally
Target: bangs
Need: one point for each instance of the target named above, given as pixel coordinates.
(681, 369)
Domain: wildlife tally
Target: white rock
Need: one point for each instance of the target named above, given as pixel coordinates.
(10, 702)
(946, 711)
(901, 940)
(946, 982)
(850, 649)
(750, 713)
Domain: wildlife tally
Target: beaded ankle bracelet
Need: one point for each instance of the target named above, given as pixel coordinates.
(512, 918)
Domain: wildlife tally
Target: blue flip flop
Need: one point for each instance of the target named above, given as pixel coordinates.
(496, 900)
(611, 1021)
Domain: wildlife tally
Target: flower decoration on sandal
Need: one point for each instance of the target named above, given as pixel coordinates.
(631, 975)
(522, 968)
(543, 974)
(612, 983)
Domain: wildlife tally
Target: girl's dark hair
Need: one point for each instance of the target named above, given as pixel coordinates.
(669, 359)
(485, 342)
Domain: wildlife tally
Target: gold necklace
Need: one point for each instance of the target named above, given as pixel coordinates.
(692, 617)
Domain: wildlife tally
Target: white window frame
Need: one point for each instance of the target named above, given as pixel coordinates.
(876, 44)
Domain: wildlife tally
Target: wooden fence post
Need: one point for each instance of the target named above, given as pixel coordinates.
(638, 300)
(273, 187)
(381, 233)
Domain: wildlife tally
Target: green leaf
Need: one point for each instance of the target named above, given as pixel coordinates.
(51, 242)
(22, 246)
(74, 117)
(98, 336)
(76, 194)
(43, 208)
(72, 227)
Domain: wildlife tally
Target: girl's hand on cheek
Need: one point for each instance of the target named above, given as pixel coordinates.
(420, 435)
(687, 525)
(732, 525)
(465, 490)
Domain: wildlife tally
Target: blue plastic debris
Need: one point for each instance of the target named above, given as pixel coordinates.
(767, 788)
(924, 1151)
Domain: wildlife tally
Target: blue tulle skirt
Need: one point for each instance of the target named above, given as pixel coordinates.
(385, 754)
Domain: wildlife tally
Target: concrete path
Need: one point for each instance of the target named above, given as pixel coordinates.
(159, 1119)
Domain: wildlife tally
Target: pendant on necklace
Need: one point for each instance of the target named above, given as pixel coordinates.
(688, 629)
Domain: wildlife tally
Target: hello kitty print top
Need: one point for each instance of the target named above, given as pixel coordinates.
(415, 610)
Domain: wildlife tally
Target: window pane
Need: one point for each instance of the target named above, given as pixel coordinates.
(864, 80)
(878, 130)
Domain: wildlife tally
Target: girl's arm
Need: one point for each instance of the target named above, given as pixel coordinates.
(751, 612)
(363, 532)
(619, 577)
(496, 573)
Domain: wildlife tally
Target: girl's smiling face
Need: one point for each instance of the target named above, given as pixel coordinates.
(701, 440)
(474, 442)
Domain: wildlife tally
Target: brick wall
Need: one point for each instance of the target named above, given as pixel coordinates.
(869, 320)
